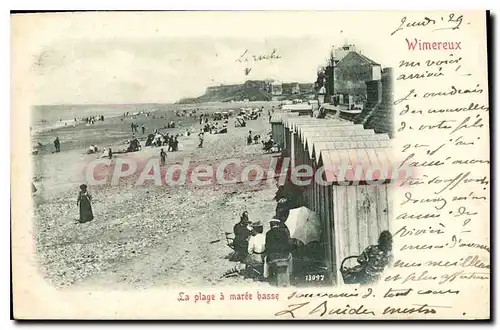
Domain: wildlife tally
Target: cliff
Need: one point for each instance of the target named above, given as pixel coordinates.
(253, 90)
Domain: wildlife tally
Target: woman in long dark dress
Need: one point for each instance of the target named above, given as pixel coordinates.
(84, 201)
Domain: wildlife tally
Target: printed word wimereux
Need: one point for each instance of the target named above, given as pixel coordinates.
(435, 45)
(231, 171)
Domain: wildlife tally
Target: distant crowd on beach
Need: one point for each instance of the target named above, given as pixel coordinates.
(92, 119)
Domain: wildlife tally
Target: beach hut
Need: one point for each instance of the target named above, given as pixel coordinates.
(301, 109)
(320, 146)
(307, 136)
(290, 120)
(353, 213)
(299, 155)
(292, 123)
(325, 132)
(315, 143)
(277, 129)
(305, 129)
(313, 146)
(379, 141)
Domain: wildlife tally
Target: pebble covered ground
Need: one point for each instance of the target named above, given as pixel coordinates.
(146, 235)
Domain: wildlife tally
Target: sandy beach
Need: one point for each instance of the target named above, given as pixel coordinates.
(144, 235)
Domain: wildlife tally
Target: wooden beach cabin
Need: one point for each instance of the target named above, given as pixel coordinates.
(300, 153)
(294, 129)
(311, 149)
(277, 129)
(288, 121)
(302, 109)
(308, 137)
(288, 128)
(353, 215)
(309, 122)
(341, 147)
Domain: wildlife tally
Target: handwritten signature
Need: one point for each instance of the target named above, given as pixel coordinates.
(322, 309)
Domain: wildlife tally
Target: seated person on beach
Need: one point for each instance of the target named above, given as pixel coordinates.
(241, 235)
(105, 153)
(375, 258)
(256, 247)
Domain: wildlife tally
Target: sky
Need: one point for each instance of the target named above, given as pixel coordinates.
(130, 66)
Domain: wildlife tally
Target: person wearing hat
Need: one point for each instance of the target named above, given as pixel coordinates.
(256, 245)
(241, 235)
(278, 242)
(84, 201)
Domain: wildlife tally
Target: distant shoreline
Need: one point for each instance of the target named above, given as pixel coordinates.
(93, 105)
(135, 105)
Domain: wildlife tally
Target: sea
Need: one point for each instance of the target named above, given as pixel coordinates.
(49, 117)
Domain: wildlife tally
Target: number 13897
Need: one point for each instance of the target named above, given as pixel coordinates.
(315, 278)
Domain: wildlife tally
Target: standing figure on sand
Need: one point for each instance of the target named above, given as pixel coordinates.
(200, 136)
(57, 144)
(85, 202)
(175, 144)
(163, 157)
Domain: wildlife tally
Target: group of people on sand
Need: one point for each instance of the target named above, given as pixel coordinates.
(269, 145)
(255, 249)
(173, 145)
(203, 119)
(215, 127)
(106, 153)
(134, 127)
(92, 119)
(252, 139)
(186, 113)
(160, 140)
(92, 149)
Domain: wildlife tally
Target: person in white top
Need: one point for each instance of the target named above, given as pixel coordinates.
(256, 247)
